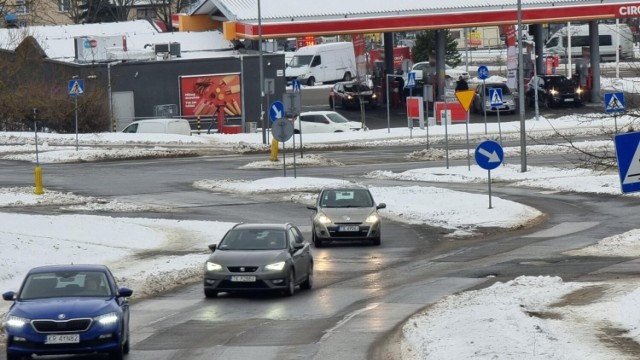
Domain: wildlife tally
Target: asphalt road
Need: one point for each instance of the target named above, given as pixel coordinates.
(362, 293)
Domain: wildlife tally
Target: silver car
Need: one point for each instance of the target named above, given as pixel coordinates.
(348, 213)
(508, 100)
(254, 257)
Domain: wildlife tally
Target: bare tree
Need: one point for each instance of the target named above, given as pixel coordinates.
(165, 8)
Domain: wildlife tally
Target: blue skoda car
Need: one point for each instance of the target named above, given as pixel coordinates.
(68, 309)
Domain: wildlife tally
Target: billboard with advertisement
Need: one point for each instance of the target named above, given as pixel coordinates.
(200, 95)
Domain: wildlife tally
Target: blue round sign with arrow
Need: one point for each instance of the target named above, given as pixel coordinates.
(276, 110)
(489, 155)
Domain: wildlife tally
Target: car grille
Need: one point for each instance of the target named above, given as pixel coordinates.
(242, 269)
(333, 231)
(81, 345)
(58, 326)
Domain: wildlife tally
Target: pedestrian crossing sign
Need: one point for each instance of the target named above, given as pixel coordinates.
(411, 79)
(613, 102)
(495, 96)
(628, 155)
(76, 87)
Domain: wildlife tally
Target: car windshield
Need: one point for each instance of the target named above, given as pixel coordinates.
(346, 198)
(300, 60)
(254, 239)
(337, 118)
(558, 81)
(65, 284)
(356, 88)
(418, 67)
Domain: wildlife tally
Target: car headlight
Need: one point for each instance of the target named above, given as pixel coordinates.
(324, 219)
(349, 97)
(554, 92)
(374, 96)
(213, 266)
(16, 322)
(373, 218)
(275, 266)
(579, 91)
(107, 319)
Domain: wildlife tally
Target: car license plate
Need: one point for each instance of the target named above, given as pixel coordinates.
(568, 100)
(63, 339)
(243, 278)
(349, 228)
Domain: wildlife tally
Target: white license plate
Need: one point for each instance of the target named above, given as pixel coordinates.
(349, 228)
(243, 278)
(568, 100)
(63, 339)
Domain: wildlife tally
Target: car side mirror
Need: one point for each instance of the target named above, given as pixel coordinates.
(381, 206)
(298, 246)
(213, 247)
(311, 207)
(125, 292)
(9, 295)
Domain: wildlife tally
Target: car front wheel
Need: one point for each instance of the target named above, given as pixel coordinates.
(291, 284)
(314, 239)
(311, 81)
(308, 284)
(209, 294)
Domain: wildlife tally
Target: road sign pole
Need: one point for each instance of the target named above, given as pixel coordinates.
(284, 160)
(484, 104)
(294, 157)
(500, 131)
(468, 146)
(388, 116)
(489, 171)
(615, 122)
(76, 105)
(446, 133)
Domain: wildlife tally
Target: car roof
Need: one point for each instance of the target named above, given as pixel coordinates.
(345, 187)
(319, 112)
(253, 226)
(68, 267)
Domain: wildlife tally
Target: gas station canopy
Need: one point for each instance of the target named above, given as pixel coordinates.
(297, 18)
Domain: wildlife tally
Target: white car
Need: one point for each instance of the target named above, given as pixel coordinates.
(423, 67)
(324, 122)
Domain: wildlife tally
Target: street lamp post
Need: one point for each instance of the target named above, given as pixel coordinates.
(264, 128)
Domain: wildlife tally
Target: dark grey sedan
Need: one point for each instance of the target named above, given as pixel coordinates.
(253, 257)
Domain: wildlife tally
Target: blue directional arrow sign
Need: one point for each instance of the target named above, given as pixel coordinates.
(613, 102)
(483, 72)
(76, 87)
(628, 154)
(411, 79)
(276, 110)
(295, 84)
(495, 96)
(489, 155)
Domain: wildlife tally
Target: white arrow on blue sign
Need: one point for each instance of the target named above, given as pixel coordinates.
(495, 96)
(489, 155)
(628, 154)
(276, 110)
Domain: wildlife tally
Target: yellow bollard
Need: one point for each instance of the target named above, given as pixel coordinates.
(274, 150)
(38, 173)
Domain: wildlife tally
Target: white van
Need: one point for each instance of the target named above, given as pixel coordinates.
(159, 126)
(558, 42)
(322, 63)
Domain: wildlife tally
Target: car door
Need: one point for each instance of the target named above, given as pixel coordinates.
(301, 257)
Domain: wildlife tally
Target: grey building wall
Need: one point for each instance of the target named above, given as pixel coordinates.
(157, 82)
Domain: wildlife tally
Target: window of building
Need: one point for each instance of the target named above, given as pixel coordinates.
(22, 7)
(64, 5)
(145, 13)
